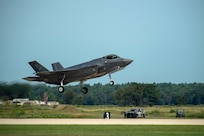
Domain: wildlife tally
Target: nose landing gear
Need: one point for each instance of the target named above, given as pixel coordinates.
(111, 81)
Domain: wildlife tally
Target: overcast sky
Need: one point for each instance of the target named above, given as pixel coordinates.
(165, 38)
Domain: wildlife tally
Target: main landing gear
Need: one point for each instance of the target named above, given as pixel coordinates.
(61, 88)
(84, 90)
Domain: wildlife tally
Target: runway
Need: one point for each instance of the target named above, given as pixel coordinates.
(101, 121)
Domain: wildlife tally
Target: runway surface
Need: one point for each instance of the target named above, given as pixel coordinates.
(102, 121)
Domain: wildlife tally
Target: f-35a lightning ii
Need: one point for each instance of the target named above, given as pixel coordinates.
(81, 72)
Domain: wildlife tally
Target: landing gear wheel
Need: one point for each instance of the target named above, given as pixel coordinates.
(61, 89)
(111, 83)
(84, 90)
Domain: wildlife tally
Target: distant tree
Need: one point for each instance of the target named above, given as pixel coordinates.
(120, 94)
(137, 94)
(150, 95)
(68, 96)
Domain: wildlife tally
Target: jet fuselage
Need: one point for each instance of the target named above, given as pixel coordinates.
(81, 72)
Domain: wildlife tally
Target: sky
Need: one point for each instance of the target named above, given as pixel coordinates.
(165, 38)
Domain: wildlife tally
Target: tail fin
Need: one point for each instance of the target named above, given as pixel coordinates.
(37, 67)
(57, 66)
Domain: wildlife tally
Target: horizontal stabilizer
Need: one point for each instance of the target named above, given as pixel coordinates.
(31, 78)
(38, 67)
(57, 66)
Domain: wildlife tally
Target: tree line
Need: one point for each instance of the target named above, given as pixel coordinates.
(128, 94)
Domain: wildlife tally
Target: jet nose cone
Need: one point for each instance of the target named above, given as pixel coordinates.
(128, 61)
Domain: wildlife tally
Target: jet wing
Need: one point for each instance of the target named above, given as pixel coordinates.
(84, 70)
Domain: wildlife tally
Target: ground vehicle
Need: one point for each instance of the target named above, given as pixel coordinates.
(180, 113)
(135, 113)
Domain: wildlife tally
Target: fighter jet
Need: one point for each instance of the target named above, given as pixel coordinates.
(78, 73)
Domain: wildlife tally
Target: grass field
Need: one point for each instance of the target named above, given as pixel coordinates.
(100, 130)
(72, 111)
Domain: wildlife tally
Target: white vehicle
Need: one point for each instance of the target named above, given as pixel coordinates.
(135, 113)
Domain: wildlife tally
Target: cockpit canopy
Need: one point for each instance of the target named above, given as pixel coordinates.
(111, 56)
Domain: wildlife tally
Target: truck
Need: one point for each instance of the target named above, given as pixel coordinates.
(135, 113)
(180, 113)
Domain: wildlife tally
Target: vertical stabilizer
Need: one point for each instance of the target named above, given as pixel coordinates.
(57, 66)
(38, 67)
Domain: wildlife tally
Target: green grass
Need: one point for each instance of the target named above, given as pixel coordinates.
(73, 111)
(100, 130)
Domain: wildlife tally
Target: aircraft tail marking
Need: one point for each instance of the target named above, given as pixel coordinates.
(38, 67)
(57, 66)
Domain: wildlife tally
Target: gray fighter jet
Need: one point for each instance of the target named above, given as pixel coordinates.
(81, 72)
